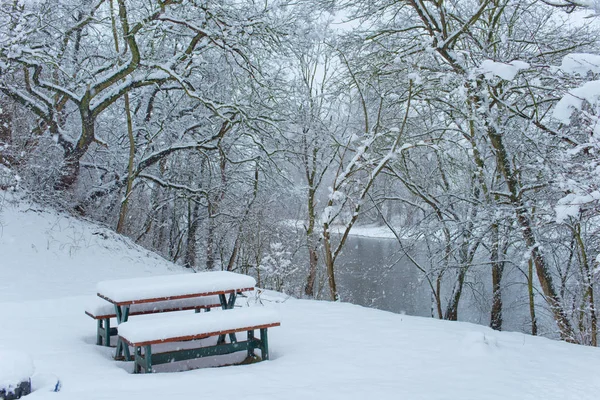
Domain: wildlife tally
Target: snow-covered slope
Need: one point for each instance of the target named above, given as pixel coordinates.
(49, 266)
(44, 254)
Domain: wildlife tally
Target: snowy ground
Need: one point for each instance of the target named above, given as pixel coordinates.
(49, 267)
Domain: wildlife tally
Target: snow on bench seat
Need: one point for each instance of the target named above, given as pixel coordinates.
(179, 286)
(196, 326)
(102, 309)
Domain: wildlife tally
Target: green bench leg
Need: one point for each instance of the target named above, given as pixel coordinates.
(99, 332)
(231, 301)
(122, 348)
(107, 332)
(251, 344)
(142, 362)
(264, 342)
(148, 359)
(223, 301)
(227, 304)
(137, 360)
(103, 332)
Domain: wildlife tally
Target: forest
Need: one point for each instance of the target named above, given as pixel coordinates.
(252, 136)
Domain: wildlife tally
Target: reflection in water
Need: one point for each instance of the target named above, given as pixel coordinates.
(372, 273)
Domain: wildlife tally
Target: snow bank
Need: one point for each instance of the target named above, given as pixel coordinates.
(15, 367)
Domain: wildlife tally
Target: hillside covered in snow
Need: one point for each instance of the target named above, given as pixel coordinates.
(49, 267)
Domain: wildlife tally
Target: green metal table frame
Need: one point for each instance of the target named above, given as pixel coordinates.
(122, 315)
(104, 332)
(144, 361)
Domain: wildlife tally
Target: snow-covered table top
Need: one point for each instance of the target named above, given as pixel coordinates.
(100, 308)
(184, 326)
(171, 287)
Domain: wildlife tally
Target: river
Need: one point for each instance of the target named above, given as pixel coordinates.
(372, 273)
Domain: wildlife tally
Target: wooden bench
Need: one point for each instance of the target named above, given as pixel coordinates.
(143, 334)
(102, 311)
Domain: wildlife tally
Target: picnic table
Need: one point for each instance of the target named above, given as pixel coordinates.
(125, 293)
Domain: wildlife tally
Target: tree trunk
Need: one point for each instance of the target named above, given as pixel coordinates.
(240, 230)
(466, 253)
(313, 259)
(496, 313)
(190, 250)
(5, 123)
(6, 157)
(234, 253)
(534, 328)
(210, 239)
(437, 296)
(74, 154)
(588, 280)
(69, 173)
(452, 309)
(125, 202)
(329, 265)
(313, 256)
(130, 165)
(526, 224)
(497, 270)
(161, 216)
